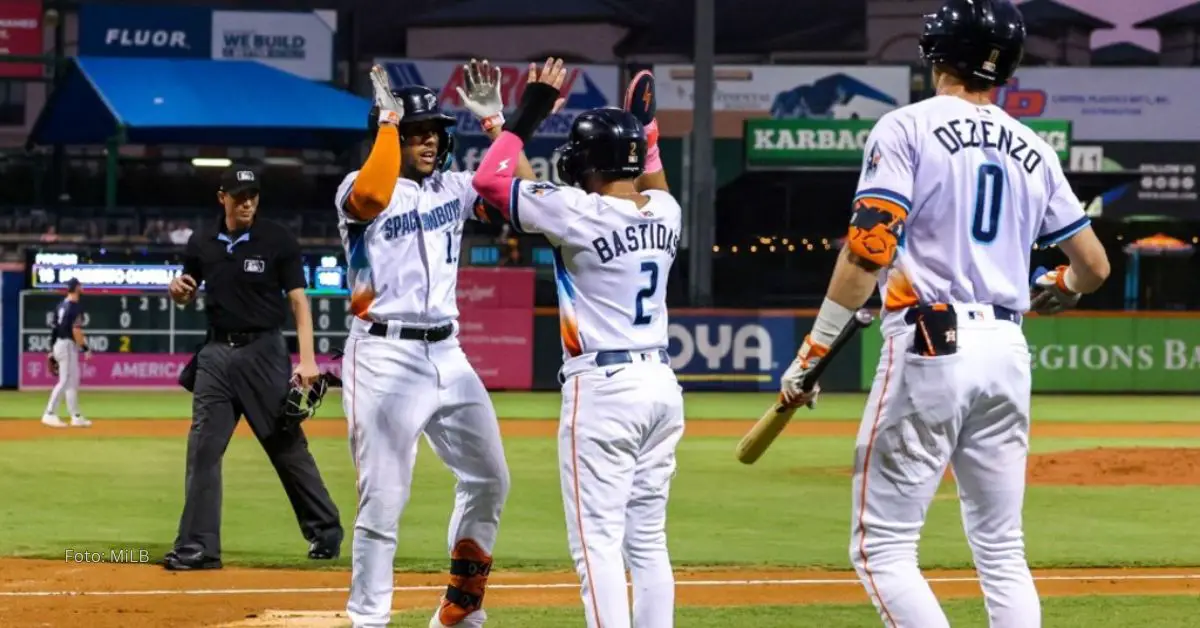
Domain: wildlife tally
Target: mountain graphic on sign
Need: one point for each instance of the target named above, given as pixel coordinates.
(837, 96)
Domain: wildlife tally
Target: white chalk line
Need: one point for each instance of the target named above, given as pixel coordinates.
(565, 585)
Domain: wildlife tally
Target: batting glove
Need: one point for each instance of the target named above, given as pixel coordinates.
(482, 96)
(790, 392)
(1050, 294)
(391, 110)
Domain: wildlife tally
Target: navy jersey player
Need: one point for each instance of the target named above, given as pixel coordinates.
(67, 342)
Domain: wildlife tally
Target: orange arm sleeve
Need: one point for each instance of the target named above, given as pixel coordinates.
(372, 190)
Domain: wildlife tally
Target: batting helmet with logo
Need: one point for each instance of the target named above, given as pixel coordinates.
(981, 42)
(607, 141)
(420, 104)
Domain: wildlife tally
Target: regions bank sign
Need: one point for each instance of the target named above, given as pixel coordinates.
(586, 87)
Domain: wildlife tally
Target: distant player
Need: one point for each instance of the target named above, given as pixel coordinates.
(67, 342)
(615, 237)
(953, 195)
(404, 374)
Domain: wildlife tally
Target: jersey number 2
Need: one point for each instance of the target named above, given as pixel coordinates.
(640, 316)
(989, 194)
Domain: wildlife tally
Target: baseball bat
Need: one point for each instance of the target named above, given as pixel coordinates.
(764, 432)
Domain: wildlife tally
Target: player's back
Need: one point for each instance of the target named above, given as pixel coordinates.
(981, 187)
(612, 262)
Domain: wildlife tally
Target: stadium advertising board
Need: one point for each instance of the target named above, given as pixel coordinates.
(1103, 354)
(730, 352)
(21, 34)
(144, 31)
(299, 42)
(1108, 104)
(1167, 186)
(780, 92)
(833, 143)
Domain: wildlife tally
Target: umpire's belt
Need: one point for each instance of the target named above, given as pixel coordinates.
(426, 334)
(238, 338)
(1000, 313)
(610, 358)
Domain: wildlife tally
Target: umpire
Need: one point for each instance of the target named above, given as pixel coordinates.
(247, 264)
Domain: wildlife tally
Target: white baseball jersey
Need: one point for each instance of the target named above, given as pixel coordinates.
(403, 265)
(611, 261)
(979, 189)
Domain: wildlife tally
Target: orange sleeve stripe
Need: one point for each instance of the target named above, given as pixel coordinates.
(372, 190)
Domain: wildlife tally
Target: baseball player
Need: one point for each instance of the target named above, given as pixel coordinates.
(401, 219)
(952, 196)
(615, 235)
(67, 342)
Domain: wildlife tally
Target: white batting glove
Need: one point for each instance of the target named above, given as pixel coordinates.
(482, 96)
(1050, 294)
(391, 110)
(790, 392)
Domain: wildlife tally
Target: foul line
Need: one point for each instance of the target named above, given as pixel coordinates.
(565, 585)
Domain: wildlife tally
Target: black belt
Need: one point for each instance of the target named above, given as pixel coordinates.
(430, 334)
(238, 338)
(609, 358)
(1002, 313)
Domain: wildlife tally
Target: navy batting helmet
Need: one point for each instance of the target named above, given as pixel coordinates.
(607, 141)
(420, 104)
(980, 41)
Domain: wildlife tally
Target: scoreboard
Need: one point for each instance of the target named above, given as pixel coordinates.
(149, 322)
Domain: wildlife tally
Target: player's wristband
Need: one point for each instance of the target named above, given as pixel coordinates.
(536, 104)
(1067, 281)
(492, 121)
(387, 116)
(831, 319)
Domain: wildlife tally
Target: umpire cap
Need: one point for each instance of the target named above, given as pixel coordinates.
(420, 104)
(980, 41)
(608, 141)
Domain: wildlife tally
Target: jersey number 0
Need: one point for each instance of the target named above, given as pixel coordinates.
(989, 194)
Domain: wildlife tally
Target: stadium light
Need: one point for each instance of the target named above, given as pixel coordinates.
(211, 162)
(283, 161)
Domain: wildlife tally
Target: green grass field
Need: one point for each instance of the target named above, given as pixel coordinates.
(117, 491)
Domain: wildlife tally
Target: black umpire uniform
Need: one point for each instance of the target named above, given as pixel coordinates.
(244, 369)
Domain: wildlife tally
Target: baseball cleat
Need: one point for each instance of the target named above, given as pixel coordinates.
(474, 620)
(50, 420)
(639, 97)
(79, 421)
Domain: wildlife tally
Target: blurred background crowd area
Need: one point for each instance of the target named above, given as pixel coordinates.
(116, 119)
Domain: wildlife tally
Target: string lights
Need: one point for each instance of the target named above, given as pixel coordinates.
(779, 244)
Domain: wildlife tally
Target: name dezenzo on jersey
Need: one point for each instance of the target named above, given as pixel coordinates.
(956, 135)
(636, 238)
(438, 217)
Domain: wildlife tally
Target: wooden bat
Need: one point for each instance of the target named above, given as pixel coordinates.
(764, 432)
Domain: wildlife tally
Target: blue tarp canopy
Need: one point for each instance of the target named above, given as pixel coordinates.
(197, 102)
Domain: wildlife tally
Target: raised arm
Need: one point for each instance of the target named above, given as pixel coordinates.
(641, 102)
(495, 179)
(372, 190)
(482, 97)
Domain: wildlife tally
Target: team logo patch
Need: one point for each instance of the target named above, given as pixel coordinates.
(254, 266)
(542, 188)
(873, 159)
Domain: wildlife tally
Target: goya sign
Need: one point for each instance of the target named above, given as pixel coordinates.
(1100, 354)
(816, 143)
